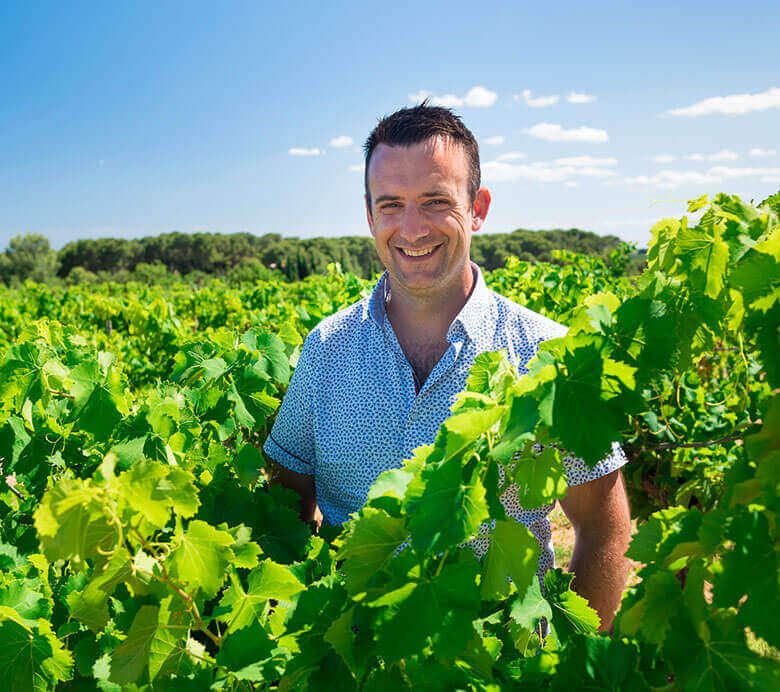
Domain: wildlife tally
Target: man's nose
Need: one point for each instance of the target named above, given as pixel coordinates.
(413, 226)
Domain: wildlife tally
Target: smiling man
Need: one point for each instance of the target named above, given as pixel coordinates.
(377, 379)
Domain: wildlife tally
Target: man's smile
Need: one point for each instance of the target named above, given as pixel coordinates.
(417, 254)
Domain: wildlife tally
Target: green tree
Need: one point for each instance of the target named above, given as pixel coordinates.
(29, 257)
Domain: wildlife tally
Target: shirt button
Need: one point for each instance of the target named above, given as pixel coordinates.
(414, 417)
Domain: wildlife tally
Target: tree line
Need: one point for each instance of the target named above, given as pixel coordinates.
(243, 256)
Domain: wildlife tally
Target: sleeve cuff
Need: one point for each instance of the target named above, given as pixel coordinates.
(286, 459)
(578, 473)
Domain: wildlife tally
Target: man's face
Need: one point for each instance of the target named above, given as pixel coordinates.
(421, 216)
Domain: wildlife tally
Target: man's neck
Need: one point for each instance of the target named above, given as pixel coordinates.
(427, 316)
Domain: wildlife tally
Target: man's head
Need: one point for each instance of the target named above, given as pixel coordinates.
(423, 197)
(409, 126)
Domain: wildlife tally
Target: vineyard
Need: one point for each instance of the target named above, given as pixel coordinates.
(142, 546)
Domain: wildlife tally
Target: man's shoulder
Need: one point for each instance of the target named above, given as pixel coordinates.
(524, 322)
(346, 324)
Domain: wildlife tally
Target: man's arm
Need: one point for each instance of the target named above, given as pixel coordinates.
(599, 513)
(301, 483)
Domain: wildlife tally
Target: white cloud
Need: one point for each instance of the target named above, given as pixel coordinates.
(539, 102)
(723, 155)
(575, 97)
(476, 97)
(736, 104)
(663, 158)
(757, 151)
(713, 176)
(571, 183)
(300, 151)
(771, 179)
(479, 97)
(493, 141)
(541, 171)
(555, 133)
(585, 161)
(512, 156)
(356, 168)
(341, 141)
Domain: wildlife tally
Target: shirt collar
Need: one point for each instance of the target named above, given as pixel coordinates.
(470, 321)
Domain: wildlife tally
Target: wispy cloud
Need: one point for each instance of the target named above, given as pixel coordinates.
(341, 141)
(571, 183)
(539, 102)
(771, 179)
(576, 97)
(722, 155)
(300, 151)
(512, 156)
(356, 168)
(585, 161)
(715, 175)
(476, 97)
(556, 171)
(736, 104)
(493, 141)
(663, 158)
(758, 152)
(556, 133)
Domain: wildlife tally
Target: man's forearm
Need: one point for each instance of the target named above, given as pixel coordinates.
(600, 570)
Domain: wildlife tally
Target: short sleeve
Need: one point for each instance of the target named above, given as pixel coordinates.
(578, 473)
(291, 441)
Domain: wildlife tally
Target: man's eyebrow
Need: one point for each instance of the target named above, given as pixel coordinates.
(436, 193)
(386, 198)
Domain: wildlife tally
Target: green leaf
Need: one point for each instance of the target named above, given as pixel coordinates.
(586, 421)
(129, 452)
(268, 581)
(529, 608)
(72, 523)
(441, 611)
(746, 576)
(32, 659)
(246, 653)
(201, 558)
(22, 596)
(698, 203)
(513, 552)
(571, 612)
(131, 657)
(719, 662)
(463, 428)
(369, 544)
(706, 257)
(540, 478)
(446, 504)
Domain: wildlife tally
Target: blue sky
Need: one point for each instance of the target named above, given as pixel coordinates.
(133, 119)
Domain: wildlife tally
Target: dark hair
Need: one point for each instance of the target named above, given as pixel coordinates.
(417, 124)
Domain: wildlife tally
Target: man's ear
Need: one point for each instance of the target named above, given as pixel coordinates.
(369, 216)
(480, 208)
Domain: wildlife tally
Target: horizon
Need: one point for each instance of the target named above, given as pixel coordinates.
(604, 118)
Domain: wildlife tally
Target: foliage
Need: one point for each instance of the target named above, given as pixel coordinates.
(142, 547)
(240, 256)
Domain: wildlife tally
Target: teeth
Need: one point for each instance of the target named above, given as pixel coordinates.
(417, 253)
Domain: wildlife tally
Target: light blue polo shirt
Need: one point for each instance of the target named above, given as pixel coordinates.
(352, 409)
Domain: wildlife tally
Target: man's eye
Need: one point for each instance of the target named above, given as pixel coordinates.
(437, 203)
(390, 205)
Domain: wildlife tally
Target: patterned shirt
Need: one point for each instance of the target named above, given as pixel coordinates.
(353, 411)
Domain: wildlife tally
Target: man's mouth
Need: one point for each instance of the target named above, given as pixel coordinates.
(421, 252)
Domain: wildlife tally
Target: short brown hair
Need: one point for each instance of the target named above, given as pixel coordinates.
(417, 124)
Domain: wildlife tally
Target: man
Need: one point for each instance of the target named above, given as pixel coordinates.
(377, 379)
